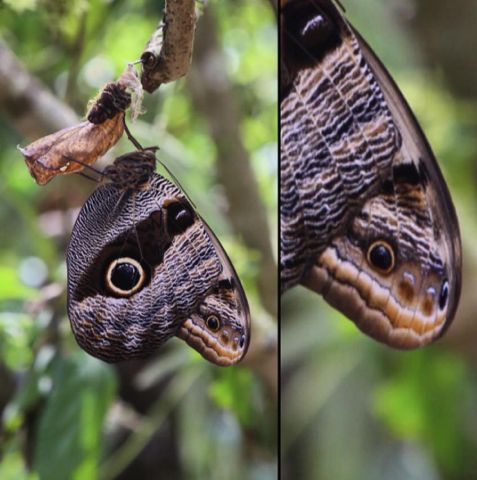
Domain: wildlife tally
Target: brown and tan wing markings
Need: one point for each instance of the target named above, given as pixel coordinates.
(228, 343)
(441, 207)
(141, 264)
(336, 144)
(382, 244)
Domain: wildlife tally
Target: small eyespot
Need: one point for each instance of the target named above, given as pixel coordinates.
(179, 217)
(213, 323)
(125, 276)
(242, 341)
(444, 295)
(381, 256)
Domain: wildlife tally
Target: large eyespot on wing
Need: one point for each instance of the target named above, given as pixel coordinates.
(118, 266)
(124, 276)
(220, 328)
(118, 295)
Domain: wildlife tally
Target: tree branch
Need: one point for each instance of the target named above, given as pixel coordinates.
(168, 54)
(31, 108)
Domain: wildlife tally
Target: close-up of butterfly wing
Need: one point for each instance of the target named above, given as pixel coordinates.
(418, 166)
(369, 221)
(378, 231)
(224, 341)
(337, 135)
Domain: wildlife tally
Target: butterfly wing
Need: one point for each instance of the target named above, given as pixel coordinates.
(393, 263)
(226, 341)
(439, 203)
(122, 296)
(141, 263)
(337, 134)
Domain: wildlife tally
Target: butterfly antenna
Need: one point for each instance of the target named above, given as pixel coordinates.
(341, 5)
(84, 175)
(176, 181)
(112, 216)
(112, 213)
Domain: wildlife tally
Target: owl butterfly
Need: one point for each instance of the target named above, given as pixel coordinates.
(366, 217)
(143, 267)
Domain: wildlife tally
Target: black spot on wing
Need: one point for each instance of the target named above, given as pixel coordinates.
(423, 171)
(409, 174)
(388, 187)
(309, 31)
(146, 243)
(226, 284)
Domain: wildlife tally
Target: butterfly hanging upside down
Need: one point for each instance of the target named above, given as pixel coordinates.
(143, 267)
(366, 217)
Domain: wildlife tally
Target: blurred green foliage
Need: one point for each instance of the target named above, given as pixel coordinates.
(65, 415)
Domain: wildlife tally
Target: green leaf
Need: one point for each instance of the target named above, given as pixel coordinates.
(12, 467)
(68, 441)
(11, 286)
(425, 401)
(232, 390)
(16, 333)
(21, 5)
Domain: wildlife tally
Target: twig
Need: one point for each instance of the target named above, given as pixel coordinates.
(168, 53)
(32, 109)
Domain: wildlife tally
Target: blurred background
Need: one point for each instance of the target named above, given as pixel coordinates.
(354, 409)
(65, 415)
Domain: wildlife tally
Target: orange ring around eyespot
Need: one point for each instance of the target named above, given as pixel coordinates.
(218, 323)
(119, 291)
(389, 249)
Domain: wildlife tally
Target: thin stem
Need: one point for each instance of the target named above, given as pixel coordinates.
(131, 137)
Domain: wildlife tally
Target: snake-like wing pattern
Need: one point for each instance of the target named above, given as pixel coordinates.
(366, 218)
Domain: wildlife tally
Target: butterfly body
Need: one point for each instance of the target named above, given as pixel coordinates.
(141, 262)
(366, 218)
